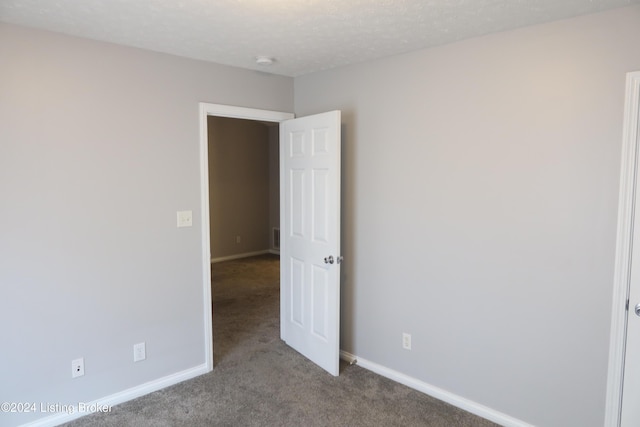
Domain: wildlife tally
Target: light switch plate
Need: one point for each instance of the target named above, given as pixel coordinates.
(185, 218)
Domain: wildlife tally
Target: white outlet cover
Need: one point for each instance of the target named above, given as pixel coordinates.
(406, 341)
(185, 218)
(77, 367)
(139, 352)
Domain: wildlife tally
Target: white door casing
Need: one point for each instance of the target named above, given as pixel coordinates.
(310, 237)
(623, 385)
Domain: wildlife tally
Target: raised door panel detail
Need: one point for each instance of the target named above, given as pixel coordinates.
(297, 292)
(296, 144)
(319, 197)
(320, 302)
(297, 202)
(320, 143)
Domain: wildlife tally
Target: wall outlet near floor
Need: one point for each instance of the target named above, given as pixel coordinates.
(139, 352)
(406, 341)
(238, 239)
(77, 367)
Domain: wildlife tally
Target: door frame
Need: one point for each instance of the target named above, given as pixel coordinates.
(218, 110)
(624, 242)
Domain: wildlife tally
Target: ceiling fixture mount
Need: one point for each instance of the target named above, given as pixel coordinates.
(265, 60)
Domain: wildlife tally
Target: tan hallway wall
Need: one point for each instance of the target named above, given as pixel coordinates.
(239, 187)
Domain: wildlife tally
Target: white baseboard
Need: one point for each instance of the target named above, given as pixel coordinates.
(245, 255)
(121, 397)
(438, 393)
(239, 256)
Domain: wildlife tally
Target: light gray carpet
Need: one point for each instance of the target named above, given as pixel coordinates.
(259, 381)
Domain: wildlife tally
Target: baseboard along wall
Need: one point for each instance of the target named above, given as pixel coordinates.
(121, 397)
(244, 255)
(433, 391)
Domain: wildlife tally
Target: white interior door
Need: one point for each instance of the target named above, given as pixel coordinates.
(630, 414)
(310, 237)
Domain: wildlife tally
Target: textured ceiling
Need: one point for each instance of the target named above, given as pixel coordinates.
(303, 35)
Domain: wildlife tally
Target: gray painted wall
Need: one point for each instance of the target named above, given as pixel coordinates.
(239, 186)
(99, 147)
(480, 189)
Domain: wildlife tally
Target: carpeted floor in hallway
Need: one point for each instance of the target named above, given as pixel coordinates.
(258, 380)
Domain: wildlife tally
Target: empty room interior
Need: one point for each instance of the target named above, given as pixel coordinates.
(485, 151)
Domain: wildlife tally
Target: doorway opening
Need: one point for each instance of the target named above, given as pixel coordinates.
(244, 211)
(218, 111)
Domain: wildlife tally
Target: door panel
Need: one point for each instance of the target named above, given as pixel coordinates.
(310, 173)
(297, 215)
(320, 199)
(319, 303)
(297, 292)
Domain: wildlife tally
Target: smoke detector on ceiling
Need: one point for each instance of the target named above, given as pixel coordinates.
(265, 60)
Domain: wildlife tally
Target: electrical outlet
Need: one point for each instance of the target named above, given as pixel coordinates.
(77, 367)
(238, 239)
(139, 352)
(185, 218)
(406, 341)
